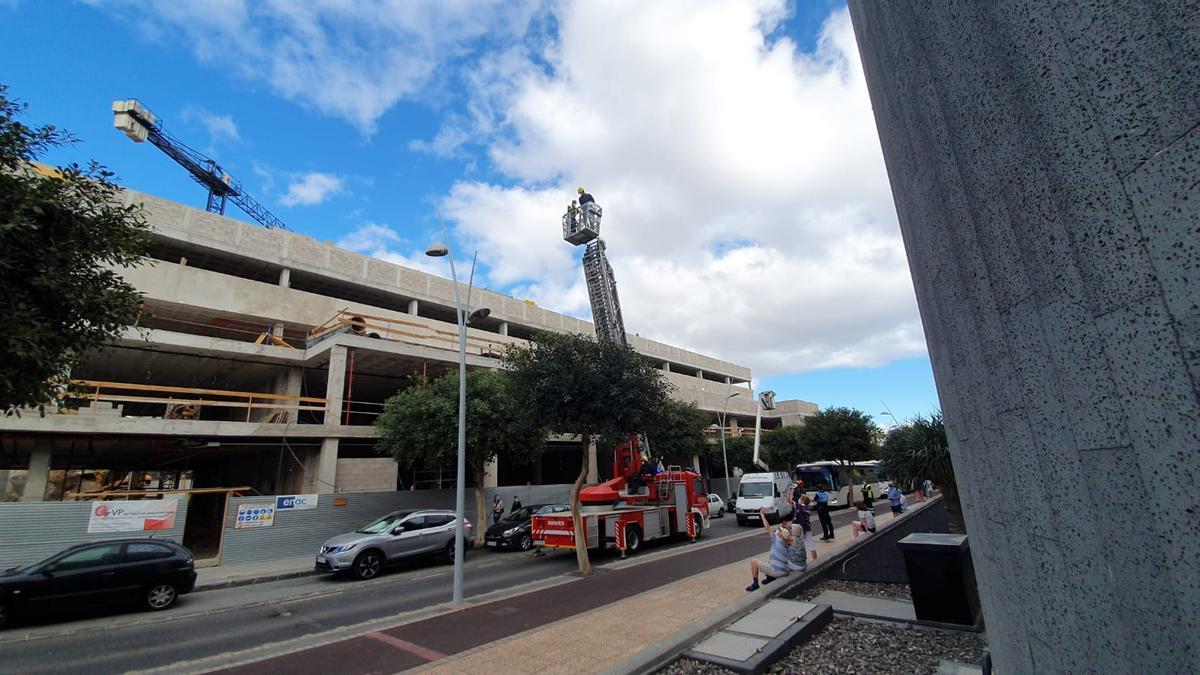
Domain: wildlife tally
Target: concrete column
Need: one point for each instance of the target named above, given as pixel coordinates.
(504, 328)
(277, 329)
(39, 474)
(700, 374)
(323, 476)
(412, 307)
(491, 474)
(667, 366)
(285, 277)
(593, 470)
(727, 381)
(696, 462)
(1043, 161)
(335, 388)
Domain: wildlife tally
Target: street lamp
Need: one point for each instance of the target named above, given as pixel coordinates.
(895, 422)
(464, 315)
(724, 457)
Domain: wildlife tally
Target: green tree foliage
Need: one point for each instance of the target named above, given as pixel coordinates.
(842, 435)
(61, 238)
(917, 451)
(574, 384)
(787, 447)
(740, 452)
(676, 432)
(419, 425)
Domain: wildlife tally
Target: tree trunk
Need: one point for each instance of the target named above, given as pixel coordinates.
(954, 514)
(481, 521)
(581, 554)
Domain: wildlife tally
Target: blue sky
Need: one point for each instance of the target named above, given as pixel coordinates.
(746, 206)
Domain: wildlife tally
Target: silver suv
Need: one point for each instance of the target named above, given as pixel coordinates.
(396, 536)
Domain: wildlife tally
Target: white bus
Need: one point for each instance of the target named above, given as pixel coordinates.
(845, 480)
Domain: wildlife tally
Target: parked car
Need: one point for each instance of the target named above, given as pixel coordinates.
(154, 572)
(716, 506)
(513, 533)
(390, 539)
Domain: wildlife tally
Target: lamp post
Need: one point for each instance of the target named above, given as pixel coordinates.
(464, 316)
(895, 422)
(724, 457)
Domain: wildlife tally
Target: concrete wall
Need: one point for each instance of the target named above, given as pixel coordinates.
(367, 474)
(1044, 160)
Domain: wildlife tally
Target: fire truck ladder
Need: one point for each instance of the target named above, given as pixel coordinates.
(582, 226)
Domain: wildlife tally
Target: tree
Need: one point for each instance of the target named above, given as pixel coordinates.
(62, 236)
(917, 451)
(676, 432)
(787, 447)
(842, 435)
(574, 384)
(420, 425)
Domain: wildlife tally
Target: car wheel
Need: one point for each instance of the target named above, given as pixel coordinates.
(161, 596)
(526, 542)
(633, 539)
(721, 513)
(449, 552)
(367, 565)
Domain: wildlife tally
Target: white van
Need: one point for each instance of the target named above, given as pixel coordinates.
(763, 490)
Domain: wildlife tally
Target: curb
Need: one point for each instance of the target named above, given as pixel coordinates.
(247, 581)
(669, 648)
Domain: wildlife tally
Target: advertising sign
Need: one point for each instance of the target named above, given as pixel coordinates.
(255, 515)
(295, 502)
(133, 516)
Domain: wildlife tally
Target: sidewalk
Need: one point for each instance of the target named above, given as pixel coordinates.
(624, 617)
(212, 578)
(639, 631)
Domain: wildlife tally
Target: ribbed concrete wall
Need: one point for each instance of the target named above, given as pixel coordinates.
(1045, 162)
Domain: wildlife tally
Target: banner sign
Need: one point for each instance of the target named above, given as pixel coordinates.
(255, 515)
(295, 502)
(133, 516)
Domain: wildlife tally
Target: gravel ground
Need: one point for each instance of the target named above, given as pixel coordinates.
(848, 645)
(875, 590)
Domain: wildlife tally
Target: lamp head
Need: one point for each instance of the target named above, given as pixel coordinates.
(481, 313)
(436, 251)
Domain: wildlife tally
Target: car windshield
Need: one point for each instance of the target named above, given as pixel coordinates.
(385, 523)
(552, 508)
(756, 490)
(523, 513)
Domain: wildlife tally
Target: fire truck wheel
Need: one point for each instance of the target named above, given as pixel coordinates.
(699, 524)
(633, 539)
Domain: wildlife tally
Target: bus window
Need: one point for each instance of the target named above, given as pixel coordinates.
(813, 477)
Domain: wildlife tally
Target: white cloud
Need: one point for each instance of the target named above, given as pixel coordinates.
(312, 188)
(747, 209)
(350, 60)
(219, 127)
(381, 241)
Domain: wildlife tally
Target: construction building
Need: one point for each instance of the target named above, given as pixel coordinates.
(262, 358)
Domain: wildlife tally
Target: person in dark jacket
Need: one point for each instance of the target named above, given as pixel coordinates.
(584, 197)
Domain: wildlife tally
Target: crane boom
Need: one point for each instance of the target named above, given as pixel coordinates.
(581, 225)
(140, 125)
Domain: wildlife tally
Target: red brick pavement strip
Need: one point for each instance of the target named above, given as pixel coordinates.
(471, 627)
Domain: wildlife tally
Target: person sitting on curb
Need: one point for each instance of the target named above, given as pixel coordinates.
(796, 556)
(776, 565)
(865, 522)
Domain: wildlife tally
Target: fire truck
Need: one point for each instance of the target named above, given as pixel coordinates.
(639, 504)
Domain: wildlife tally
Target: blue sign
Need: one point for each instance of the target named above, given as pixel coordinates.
(295, 502)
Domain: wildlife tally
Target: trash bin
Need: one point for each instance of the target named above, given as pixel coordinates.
(941, 578)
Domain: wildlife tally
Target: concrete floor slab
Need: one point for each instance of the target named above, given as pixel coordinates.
(731, 646)
(772, 618)
(868, 607)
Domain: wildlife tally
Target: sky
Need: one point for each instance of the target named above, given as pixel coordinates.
(747, 210)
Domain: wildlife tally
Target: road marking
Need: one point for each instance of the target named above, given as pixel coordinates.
(405, 645)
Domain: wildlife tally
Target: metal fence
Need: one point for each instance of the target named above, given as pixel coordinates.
(298, 532)
(32, 531)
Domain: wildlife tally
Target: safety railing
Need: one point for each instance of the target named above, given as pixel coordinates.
(406, 331)
(189, 402)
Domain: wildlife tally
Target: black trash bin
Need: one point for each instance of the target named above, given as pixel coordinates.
(941, 578)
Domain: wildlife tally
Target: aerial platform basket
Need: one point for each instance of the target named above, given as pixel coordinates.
(582, 225)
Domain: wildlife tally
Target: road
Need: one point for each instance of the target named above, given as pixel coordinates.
(238, 619)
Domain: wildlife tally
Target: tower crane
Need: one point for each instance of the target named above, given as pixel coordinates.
(141, 125)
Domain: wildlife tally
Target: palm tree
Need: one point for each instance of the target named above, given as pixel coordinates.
(918, 451)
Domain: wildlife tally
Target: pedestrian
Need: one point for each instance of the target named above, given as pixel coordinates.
(516, 504)
(797, 559)
(919, 490)
(868, 496)
(584, 197)
(804, 520)
(865, 521)
(823, 513)
(928, 488)
(497, 509)
(776, 564)
(895, 499)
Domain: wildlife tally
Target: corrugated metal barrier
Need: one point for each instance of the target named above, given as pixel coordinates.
(299, 532)
(32, 531)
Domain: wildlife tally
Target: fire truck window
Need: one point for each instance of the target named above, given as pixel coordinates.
(698, 486)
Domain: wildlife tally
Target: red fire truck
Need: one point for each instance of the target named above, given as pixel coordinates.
(634, 507)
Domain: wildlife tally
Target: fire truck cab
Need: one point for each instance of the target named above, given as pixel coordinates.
(639, 505)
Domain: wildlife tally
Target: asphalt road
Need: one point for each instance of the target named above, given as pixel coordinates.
(236, 619)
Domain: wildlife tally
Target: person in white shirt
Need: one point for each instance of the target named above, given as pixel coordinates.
(865, 522)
